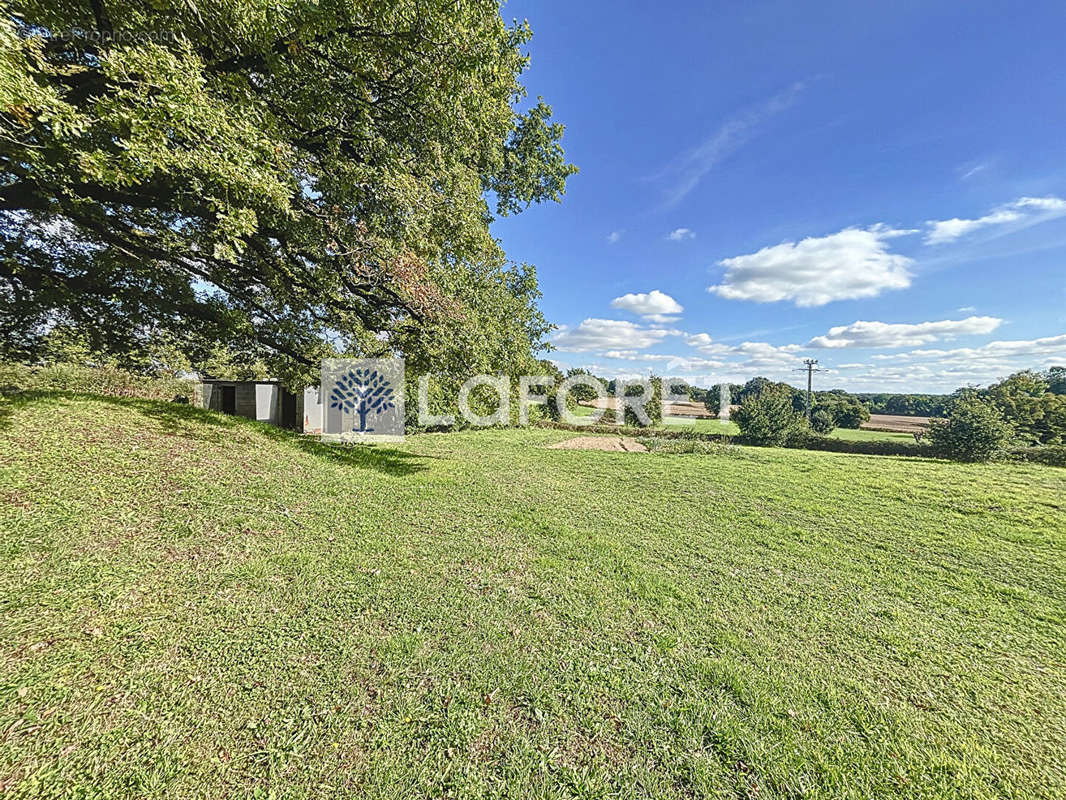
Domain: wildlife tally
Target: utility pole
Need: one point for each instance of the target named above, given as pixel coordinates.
(810, 369)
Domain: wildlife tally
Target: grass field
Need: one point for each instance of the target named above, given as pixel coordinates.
(194, 605)
(730, 428)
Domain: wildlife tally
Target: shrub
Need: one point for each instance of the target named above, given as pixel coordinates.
(653, 407)
(105, 380)
(768, 418)
(822, 421)
(552, 410)
(656, 444)
(1052, 455)
(974, 431)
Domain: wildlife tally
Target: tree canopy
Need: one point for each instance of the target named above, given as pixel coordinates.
(296, 179)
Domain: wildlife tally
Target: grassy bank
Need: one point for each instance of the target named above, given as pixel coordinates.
(198, 605)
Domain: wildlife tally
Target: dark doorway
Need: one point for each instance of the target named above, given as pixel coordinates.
(288, 410)
(229, 399)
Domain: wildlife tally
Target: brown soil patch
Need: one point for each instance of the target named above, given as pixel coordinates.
(620, 444)
(896, 423)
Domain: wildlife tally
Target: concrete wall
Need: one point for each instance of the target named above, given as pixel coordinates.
(311, 410)
(268, 403)
(259, 400)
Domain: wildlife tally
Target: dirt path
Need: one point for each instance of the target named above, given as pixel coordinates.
(621, 444)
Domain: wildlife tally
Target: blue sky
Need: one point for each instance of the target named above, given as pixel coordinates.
(879, 187)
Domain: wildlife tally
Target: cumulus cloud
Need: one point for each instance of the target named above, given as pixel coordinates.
(917, 370)
(706, 345)
(761, 355)
(693, 363)
(1046, 347)
(609, 334)
(680, 234)
(886, 334)
(847, 265)
(614, 236)
(654, 306)
(943, 370)
(1027, 210)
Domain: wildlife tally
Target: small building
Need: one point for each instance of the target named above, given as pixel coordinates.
(265, 401)
(312, 409)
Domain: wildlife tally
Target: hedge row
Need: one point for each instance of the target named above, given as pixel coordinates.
(623, 430)
(873, 447)
(90, 380)
(1052, 455)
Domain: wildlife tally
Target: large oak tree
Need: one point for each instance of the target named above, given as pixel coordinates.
(292, 178)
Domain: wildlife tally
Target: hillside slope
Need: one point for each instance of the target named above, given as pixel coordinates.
(195, 605)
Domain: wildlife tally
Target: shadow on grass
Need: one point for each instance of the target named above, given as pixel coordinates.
(190, 422)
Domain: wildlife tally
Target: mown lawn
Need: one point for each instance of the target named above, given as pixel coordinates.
(194, 605)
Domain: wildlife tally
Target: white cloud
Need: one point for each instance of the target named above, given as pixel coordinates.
(944, 370)
(947, 230)
(886, 334)
(680, 234)
(633, 355)
(704, 343)
(690, 169)
(966, 309)
(919, 370)
(850, 264)
(967, 171)
(654, 306)
(761, 355)
(614, 236)
(609, 334)
(1046, 347)
(1028, 210)
(693, 363)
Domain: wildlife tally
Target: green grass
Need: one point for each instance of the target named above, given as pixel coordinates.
(730, 428)
(704, 425)
(861, 435)
(194, 605)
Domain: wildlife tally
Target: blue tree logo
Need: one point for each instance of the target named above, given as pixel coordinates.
(362, 391)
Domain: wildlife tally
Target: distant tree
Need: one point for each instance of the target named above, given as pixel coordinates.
(769, 418)
(822, 421)
(653, 407)
(975, 430)
(581, 392)
(712, 397)
(845, 411)
(1025, 400)
(679, 387)
(1056, 380)
(752, 388)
